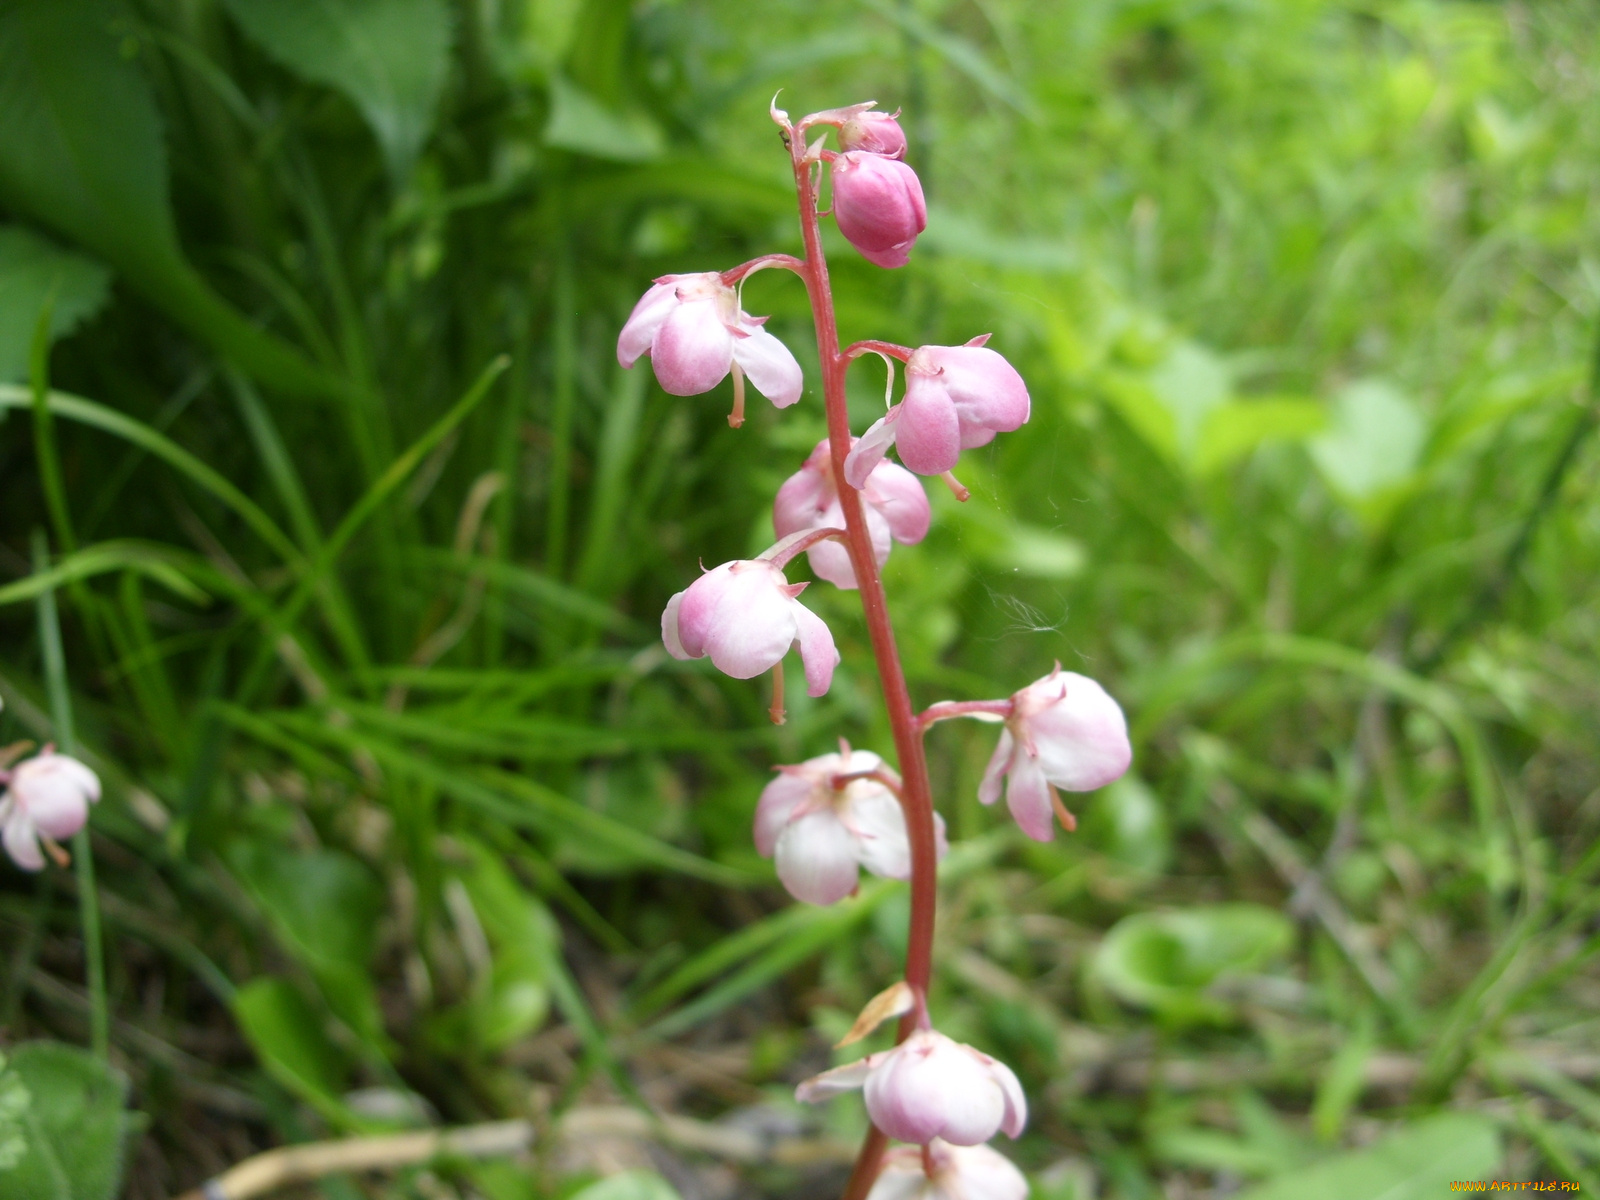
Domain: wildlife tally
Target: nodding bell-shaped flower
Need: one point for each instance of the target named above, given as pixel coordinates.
(930, 1087)
(825, 818)
(957, 397)
(744, 614)
(874, 132)
(46, 799)
(958, 1173)
(878, 204)
(694, 331)
(892, 499)
(1063, 731)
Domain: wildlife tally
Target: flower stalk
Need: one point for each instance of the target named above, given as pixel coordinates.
(916, 796)
(825, 820)
(55, 670)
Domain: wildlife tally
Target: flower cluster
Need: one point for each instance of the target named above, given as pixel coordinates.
(825, 819)
(43, 802)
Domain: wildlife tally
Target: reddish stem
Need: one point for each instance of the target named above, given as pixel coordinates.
(916, 797)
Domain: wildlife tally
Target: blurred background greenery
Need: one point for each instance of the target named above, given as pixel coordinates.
(361, 538)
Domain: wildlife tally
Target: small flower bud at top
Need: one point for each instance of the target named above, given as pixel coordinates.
(47, 796)
(878, 205)
(875, 132)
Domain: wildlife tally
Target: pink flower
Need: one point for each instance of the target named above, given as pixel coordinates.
(930, 1087)
(1064, 731)
(694, 331)
(959, 1173)
(893, 501)
(49, 797)
(878, 204)
(874, 132)
(745, 616)
(957, 397)
(827, 817)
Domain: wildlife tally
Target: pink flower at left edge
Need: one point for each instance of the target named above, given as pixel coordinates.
(694, 331)
(927, 1087)
(957, 398)
(744, 614)
(821, 825)
(895, 506)
(49, 796)
(959, 1173)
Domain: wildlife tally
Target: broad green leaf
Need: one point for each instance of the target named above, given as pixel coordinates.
(324, 907)
(1234, 429)
(1127, 822)
(390, 57)
(581, 123)
(288, 1038)
(81, 154)
(75, 1125)
(1170, 403)
(1165, 960)
(14, 1102)
(1416, 1163)
(33, 271)
(323, 902)
(1190, 383)
(516, 997)
(81, 148)
(637, 1184)
(1374, 444)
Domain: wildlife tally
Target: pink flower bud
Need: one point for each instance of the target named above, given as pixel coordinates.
(959, 1173)
(745, 616)
(874, 132)
(828, 816)
(1064, 731)
(895, 505)
(46, 796)
(957, 397)
(878, 204)
(694, 331)
(930, 1087)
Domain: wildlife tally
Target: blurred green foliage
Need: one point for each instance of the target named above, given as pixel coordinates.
(361, 538)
